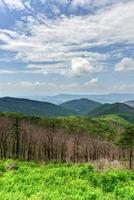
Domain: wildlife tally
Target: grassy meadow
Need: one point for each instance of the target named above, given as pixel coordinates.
(31, 181)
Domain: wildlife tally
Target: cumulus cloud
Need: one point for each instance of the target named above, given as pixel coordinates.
(82, 67)
(126, 64)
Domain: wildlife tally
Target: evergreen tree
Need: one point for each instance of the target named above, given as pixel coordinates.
(127, 142)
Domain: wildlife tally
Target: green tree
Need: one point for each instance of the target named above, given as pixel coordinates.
(127, 142)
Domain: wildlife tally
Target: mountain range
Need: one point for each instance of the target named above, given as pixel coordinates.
(95, 109)
(79, 107)
(31, 107)
(102, 98)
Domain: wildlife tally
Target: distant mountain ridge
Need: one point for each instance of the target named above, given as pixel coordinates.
(81, 106)
(130, 103)
(31, 107)
(102, 98)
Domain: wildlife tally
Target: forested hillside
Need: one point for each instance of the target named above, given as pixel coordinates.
(31, 107)
(119, 109)
(81, 106)
(61, 139)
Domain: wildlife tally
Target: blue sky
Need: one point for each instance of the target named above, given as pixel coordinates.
(66, 46)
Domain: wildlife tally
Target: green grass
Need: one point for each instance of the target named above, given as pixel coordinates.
(31, 181)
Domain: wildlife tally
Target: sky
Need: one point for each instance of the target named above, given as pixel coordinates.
(66, 46)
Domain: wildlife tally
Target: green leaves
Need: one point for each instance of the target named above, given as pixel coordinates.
(31, 181)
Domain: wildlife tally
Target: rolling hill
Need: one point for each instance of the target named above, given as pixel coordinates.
(81, 106)
(30, 107)
(119, 109)
(74, 107)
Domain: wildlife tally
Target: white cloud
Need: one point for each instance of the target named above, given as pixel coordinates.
(92, 82)
(126, 64)
(65, 36)
(50, 68)
(3, 71)
(62, 2)
(80, 3)
(38, 87)
(82, 67)
(14, 4)
(91, 4)
(27, 86)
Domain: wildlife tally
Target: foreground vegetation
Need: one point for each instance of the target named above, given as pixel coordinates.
(67, 140)
(31, 181)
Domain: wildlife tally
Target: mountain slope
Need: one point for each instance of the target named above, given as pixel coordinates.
(30, 107)
(81, 106)
(118, 109)
(130, 103)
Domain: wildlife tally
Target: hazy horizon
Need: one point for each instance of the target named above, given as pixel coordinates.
(61, 98)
